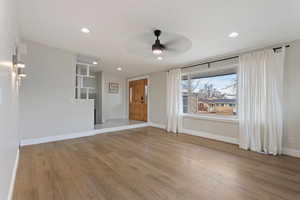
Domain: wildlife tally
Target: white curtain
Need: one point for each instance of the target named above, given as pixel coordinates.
(174, 101)
(260, 101)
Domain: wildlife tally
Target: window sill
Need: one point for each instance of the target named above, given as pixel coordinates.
(228, 119)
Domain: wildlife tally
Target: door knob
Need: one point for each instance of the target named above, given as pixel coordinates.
(142, 99)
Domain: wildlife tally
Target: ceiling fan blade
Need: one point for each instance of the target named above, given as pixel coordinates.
(170, 42)
(172, 48)
(176, 43)
(146, 38)
(179, 46)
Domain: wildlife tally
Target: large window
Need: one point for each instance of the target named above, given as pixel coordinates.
(210, 93)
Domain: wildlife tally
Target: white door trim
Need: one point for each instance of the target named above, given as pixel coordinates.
(148, 93)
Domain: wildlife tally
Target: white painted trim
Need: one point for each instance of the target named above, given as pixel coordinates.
(120, 128)
(33, 141)
(286, 151)
(139, 78)
(210, 136)
(161, 126)
(26, 142)
(201, 134)
(13, 178)
(212, 118)
(148, 93)
(291, 152)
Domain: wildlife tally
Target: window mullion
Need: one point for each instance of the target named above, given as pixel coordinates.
(189, 93)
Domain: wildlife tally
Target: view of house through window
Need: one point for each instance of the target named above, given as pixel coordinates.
(210, 94)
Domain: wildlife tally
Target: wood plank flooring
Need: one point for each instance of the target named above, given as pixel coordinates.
(150, 164)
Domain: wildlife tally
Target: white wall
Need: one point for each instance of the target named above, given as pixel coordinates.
(291, 139)
(113, 105)
(9, 140)
(47, 98)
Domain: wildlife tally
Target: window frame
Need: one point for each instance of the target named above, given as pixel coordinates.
(206, 116)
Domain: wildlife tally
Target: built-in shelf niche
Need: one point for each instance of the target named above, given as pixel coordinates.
(85, 81)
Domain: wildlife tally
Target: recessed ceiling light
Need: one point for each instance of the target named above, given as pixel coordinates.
(119, 68)
(85, 30)
(95, 63)
(233, 35)
(159, 58)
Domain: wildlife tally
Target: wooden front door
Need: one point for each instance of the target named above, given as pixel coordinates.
(138, 91)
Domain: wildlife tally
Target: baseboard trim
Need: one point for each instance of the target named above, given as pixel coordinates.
(210, 136)
(291, 152)
(286, 151)
(121, 128)
(26, 142)
(13, 177)
(161, 126)
(33, 141)
(201, 134)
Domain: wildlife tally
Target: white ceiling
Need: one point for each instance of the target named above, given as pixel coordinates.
(116, 23)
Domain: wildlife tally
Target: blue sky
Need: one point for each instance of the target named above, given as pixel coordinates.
(219, 82)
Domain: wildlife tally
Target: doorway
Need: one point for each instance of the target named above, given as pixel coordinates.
(138, 100)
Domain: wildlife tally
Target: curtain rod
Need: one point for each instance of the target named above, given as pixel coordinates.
(233, 57)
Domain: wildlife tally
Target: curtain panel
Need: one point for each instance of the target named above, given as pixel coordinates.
(174, 101)
(260, 101)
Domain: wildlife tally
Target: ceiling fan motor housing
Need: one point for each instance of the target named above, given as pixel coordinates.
(157, 33)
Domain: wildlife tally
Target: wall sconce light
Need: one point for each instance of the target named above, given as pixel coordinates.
(18, 67)
(21, 73)
(21, 65)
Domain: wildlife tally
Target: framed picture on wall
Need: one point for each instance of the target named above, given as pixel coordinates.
(113, 88)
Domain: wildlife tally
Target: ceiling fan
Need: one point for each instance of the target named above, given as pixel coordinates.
(165, 44)
(157, 47)
(174, 44)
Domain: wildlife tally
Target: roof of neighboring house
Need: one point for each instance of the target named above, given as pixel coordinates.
(232, 101)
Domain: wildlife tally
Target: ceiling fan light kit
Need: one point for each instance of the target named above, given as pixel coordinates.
(157, 47)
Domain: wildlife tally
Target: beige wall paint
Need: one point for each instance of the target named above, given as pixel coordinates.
(113, 105)
(157, 97)
(227, 129)
(47, 99)
(9, 137)
(291, 137)
(98, 101)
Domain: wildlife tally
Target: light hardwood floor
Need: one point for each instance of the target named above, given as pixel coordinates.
(148, 163)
